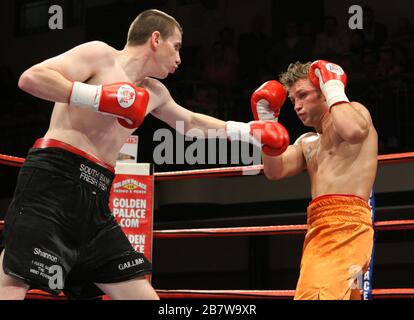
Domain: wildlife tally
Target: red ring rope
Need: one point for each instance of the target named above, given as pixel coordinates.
(268, 294)
(399, 293)
(222, 172)
(266, 230)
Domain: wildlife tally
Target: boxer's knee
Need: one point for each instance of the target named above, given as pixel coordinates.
(134, 289)
(11, 288)
(12, 293)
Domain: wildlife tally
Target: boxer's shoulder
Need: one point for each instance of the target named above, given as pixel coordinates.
(149, 83)
(93, 47)
(359, 106)
(307, 138)
(155, 87)
(363, 110)
(158, 92)
(98, 44)
(98, 52)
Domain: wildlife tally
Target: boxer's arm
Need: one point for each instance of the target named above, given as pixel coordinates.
(164, 107)
(185, 121)
(52, 79)
(289, 163)
(351, 121)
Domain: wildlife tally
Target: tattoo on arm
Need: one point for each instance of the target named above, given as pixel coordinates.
(308, 154)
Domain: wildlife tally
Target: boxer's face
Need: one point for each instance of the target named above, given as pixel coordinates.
(308, 102)
(168, 55)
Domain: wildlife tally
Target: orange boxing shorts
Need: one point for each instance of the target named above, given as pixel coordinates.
(337, 248)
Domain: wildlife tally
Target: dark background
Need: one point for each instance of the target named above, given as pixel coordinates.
(229, 49)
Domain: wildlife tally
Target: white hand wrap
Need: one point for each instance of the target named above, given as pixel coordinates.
(85, 95)
(264, 112)
(240, 131)
(333, 90)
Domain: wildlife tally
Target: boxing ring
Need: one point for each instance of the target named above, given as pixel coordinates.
(270, 230)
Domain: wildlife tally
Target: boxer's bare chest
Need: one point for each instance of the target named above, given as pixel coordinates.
(320, 153)
(110, 74)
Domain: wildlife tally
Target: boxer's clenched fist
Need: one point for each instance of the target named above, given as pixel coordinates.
(331, 79)
(122, 100)
(267, 100)
(271, 136)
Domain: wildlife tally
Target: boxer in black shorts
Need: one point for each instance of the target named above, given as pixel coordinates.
(60, 217)
(101, 96)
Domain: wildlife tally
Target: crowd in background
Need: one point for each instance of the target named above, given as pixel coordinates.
(218, 78)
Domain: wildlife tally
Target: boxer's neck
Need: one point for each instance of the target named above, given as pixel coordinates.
(324, 123)
(135, 62)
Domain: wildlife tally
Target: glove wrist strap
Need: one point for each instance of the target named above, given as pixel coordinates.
(85, 95)
(240, 131)
(334, 92)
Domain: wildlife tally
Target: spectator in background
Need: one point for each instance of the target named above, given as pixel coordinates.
(253, 48)
(331, 41)
(7, 86)
(291, 47)
(307, 32)
(204, 100)
(356, 53)
(405, 31)
(220, 69)
(356, 42)
(390, 88)
(388, 65)
(227, 39)
(356, 84)
(403, 39)
(369, 63)
(409, 55)
(375, 33)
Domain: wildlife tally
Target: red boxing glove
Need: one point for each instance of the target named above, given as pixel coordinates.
(331, 79)
(267, 100)
(122, 100)
(271, 136)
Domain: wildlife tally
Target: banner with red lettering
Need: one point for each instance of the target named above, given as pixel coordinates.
(129, 151)
(131, 202)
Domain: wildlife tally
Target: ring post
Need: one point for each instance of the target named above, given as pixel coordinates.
(367, 280)
(131, 202)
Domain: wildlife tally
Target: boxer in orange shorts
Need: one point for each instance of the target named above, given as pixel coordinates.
(341, 159)
(337, 248)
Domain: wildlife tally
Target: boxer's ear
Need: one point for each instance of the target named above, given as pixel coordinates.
(155, 39)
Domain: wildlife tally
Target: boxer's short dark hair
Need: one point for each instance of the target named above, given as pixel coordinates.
(149, 21)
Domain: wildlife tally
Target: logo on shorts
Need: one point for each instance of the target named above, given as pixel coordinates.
(130, 264)
(355, 277)
(335, 69)
(125, 96)
(46, 255)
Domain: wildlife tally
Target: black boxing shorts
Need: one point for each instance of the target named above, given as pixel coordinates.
(59, 232)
